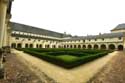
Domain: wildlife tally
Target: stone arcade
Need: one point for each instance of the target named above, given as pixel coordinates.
(24, 36)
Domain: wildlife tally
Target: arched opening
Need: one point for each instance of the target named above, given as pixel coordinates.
(120, 47)
(31, 45)
(84, 46)
(103, 47)
(64, 46)
(19, 45)
(111, 46)
(74, 46)
(70, 46)
(40, 45)
(79, 46)
(95, 46)
(89, 46)
(13, 45)
(26, 46)
(47, 46)
(37, 46)
(54, 46)
(67, 46)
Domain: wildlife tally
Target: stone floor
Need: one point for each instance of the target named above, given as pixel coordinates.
(113, 72)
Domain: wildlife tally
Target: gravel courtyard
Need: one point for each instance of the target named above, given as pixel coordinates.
(79, 74)
(23, 68)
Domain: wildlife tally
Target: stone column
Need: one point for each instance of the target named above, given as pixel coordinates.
(3, 11)
(8, 36)
(124, 42)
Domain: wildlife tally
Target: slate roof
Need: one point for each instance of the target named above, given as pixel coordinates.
(106, 35)
(35, 30)
(119, 27)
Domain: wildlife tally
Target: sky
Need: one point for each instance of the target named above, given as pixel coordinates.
(75, 17)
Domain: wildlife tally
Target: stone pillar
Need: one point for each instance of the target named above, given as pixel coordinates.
(8, 36)
(5, 36)
(124, 42)
(3, 11)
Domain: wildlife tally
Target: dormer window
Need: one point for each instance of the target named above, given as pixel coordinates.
(120, 38)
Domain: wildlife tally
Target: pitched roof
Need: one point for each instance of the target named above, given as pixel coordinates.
(106, 35)
(119, 27)
(35, 30)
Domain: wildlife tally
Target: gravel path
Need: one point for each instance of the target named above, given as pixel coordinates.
(113, 72)
(17, 72)
(79, 74)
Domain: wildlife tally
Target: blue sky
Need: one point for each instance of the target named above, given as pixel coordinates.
(76, 17)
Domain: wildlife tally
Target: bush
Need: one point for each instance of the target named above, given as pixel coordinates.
(57, 56)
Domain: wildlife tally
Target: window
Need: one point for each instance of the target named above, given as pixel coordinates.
(95, 39)
(17, 38)
(119, 38)
(29, 39)
(103, 39)
(83, 40)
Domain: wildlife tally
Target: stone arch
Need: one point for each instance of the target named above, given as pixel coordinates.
(74, 46)
(26, 46)
(96, 46)
(89, 46)
(79, 46)
(67, 46)
(111, 46)
(37, 46)
(64, 46)
(71, 46)
(54, 46)
(19, 45)
(47, 46)
(84, 46)
(31, 45)
(120, 47)
(103, 47)
(13, 45)
(40, 46)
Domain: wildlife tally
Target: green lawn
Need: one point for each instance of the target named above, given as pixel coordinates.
(67, 58)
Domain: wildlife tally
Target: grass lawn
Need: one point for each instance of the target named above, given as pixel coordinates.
(67, 58)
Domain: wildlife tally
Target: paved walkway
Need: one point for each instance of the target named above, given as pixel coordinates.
(79, 74)
(113, 72)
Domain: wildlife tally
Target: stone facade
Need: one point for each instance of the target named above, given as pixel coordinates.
(5, 15)
(40, 38)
